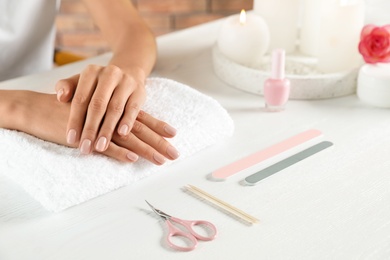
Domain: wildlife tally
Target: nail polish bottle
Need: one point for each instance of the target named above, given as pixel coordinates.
(277, 88)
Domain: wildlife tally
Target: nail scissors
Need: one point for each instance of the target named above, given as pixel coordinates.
(192, 236)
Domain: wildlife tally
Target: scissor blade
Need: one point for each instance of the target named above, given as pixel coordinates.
(150, 205)
(157, 211)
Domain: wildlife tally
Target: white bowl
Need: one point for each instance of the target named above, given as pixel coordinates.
(310, 86)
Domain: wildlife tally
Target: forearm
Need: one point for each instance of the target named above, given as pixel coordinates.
(131, 41)
(135, 52)
(34, 113)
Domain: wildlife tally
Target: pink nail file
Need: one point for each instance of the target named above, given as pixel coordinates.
(265, 154)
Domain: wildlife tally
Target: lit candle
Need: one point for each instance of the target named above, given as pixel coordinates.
(331, 32)
(244, 39)
(281, 17)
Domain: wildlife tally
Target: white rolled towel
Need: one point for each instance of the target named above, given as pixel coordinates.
(58, 177)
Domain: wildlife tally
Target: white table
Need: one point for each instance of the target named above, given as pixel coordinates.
(334, 205)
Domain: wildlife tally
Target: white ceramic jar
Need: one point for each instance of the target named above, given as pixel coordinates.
(374, 84)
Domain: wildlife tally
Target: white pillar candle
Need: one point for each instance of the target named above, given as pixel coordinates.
(310, 28)
(377, 12)
(281, 17)
(336, 40)
(244, 39)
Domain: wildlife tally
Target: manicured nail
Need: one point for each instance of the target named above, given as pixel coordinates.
(85, 146)
(71, 137)
(159, 158)
(171, 151)
(124, 130)
(101, 144)
(170, 130)
(132, 156)
(59, 94)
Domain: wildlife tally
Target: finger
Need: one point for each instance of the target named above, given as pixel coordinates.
(65, 88)
(139, 147)
(78, 109)
(133, 106)
(108, 78)
(158, 126)
(113, 114)
(120, 153)
(154, 140)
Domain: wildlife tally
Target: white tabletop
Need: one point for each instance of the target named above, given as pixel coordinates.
(333, 205)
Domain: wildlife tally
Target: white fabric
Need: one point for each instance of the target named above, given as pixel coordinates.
(58, 177)
(26, 36)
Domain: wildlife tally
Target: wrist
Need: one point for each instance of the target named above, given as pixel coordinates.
(9, 109)
(136, 72)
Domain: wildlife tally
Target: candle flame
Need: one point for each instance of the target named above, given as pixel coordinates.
(242, 17)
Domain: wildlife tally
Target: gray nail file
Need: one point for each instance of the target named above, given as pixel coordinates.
(258, 176)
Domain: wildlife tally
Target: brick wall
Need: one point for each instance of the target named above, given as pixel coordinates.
(77, 33)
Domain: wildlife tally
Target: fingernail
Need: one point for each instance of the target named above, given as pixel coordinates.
(101, 144)
(124, 130)
(132, 157)
(85, 146)
(71, 137)
(170, 130)
(159, 158)
(59, 94)
(173, 152)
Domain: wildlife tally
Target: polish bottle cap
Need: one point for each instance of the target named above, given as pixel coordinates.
(278, 63)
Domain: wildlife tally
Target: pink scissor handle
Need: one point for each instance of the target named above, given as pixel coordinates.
(175, 232)
(189, 225)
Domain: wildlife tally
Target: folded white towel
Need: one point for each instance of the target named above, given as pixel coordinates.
(58, 177)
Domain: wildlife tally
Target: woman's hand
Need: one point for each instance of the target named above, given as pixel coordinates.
(43, 116)
(108, 99)
(102, 99)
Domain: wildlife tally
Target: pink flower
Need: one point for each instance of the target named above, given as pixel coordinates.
(375, 43)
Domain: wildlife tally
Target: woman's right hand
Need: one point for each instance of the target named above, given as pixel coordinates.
(41, 115)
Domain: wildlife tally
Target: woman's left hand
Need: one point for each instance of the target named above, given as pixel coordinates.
(103, 99)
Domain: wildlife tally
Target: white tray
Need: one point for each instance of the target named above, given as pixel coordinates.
(310, 86)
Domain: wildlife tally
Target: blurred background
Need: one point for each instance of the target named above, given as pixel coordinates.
(77, 33)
